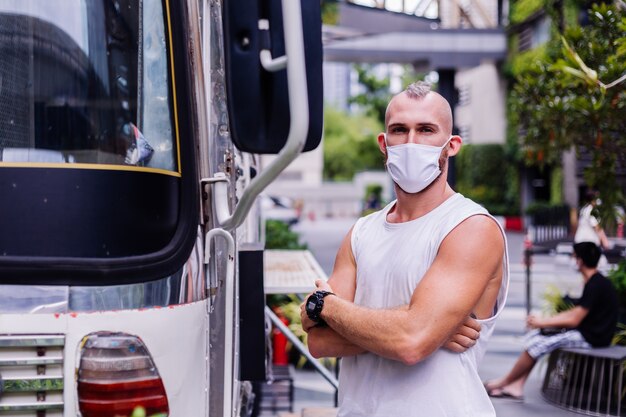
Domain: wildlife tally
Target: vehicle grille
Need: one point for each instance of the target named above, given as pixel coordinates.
(31, 375)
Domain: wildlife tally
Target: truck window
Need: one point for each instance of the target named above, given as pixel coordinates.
(96, 187)
(85, 82)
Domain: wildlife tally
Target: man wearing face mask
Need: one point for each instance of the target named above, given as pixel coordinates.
(408, 278)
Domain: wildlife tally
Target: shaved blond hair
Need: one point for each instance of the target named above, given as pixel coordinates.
(418, 89)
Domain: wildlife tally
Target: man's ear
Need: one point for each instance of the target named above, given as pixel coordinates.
(381, 143)
(454, 146)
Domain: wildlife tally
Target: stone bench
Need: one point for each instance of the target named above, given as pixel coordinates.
(588, 381)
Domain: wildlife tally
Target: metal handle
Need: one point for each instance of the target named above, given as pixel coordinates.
(301, 347)
(267, 61)
(229, 300)
(298, 130)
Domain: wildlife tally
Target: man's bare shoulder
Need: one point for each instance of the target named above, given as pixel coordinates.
(482, 224)
(478, 234)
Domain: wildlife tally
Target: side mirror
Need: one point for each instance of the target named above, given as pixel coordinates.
(257, 87)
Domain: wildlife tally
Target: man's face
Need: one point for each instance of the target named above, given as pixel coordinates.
(425, 121)
(578, 262)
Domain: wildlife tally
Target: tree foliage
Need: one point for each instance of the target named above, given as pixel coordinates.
(376, 92)
(376, 95)
(488, 175)
(278, 235)
(330, 12)
(350, 144)
(576, 97)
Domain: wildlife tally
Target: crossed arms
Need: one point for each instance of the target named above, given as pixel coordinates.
(464, 279)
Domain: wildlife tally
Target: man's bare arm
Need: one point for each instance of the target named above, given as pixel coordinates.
(324, 341)
(568, 319)
(464, 278)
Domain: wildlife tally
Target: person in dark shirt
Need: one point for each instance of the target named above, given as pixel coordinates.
(590, 323)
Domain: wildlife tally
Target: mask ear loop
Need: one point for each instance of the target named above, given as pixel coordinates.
(386, 144)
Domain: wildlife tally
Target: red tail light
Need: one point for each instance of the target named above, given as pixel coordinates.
(116, 375)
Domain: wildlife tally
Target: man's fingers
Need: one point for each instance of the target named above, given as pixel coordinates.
(465, 337)
(461, 342)
(454, 347)
(472, 323)
(322, 285)
(307, 323)
(468, 332)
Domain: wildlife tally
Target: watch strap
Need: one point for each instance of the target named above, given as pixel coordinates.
(315, 304)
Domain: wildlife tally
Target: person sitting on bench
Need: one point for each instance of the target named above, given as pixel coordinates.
(590, 323)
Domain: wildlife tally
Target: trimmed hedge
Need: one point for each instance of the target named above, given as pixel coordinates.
(487, 175)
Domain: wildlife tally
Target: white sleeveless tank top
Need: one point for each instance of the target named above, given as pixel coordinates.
(391, 259)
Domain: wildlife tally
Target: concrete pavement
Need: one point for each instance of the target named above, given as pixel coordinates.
(324, 237)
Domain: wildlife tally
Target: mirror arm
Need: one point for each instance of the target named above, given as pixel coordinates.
(298, 129)
(269, 64)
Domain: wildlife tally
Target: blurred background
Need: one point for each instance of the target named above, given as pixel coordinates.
(530, 86)
(538, 95)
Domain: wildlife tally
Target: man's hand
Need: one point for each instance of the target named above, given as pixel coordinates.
(307, 323)
(465, 336)
(534, 322)
(323, 285)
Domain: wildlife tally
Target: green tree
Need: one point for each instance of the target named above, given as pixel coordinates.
(278, 235)
(488, 175)
(575, 96)
(350, 144)
(330, 12)
(376, 95)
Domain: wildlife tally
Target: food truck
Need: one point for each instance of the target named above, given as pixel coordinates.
(130, 132)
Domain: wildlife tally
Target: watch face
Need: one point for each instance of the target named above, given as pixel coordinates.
(310, 306)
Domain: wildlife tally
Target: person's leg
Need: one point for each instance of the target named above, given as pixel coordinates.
(537, 345)
(513, 382)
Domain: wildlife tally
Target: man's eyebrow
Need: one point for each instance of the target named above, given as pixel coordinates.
(423, 124)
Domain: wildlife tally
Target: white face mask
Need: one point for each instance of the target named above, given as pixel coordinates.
(412, 166)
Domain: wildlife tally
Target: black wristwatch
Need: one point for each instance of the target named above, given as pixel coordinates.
(314, 306)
